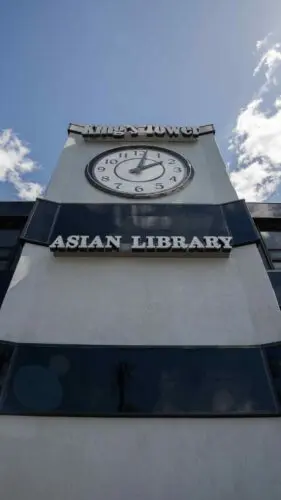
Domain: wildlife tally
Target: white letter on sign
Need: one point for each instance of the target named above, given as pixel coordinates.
(212, 242)
(136, 243)
(57, 244)
(226, 241)
(72, 241)
(163, 242)
(113, 242)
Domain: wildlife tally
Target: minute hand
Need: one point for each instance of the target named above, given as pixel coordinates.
(144, 167)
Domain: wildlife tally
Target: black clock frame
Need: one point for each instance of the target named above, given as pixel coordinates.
(91, 178)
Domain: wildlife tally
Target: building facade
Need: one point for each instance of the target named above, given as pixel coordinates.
(140, 325)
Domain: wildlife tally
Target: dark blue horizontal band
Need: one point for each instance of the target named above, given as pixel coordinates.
(112, 381)
(48, 220)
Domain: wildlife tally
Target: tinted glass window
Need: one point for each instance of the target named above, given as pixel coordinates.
(275, 254)
(272, 239)
(274, 363)
(6, 351)
(50, 220)
(144, 219)
(5, 278)
(264, 253)
(4, 264)
(40, 222)
(9, 237)
(5, 253)
(275, 278)
(240, 223)
(141, 381)
(15, 209)
(277, 265)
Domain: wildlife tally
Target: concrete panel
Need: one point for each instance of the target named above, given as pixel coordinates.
(116, 300)
(99, 459)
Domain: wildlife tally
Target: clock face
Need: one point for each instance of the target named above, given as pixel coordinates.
(139, 171)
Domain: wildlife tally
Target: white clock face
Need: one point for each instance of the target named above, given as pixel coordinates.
(139, 171)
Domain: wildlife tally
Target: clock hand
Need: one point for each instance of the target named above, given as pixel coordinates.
(144, 167)
(142, 160)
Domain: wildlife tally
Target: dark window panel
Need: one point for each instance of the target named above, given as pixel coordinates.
(240, 223)
(265, 254)
(128, 219)
(157, 381)
(9, 237)
(275, 278)
(11, 222)
(6, 352)
(5, 253)
(277, 265)
(8, 260)
(125, 219)
(14, 209)
(273, 356)
(5, 278)
(40, 222)
(275, 254)
(272, 239)
(4, 264)
(49, 219)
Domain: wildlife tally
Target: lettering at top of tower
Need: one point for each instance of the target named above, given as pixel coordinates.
(180, 133)
(145, 131)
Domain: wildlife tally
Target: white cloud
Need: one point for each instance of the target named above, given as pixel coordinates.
(264, 41)
(270, 61)
(256, 140)
(15, 163)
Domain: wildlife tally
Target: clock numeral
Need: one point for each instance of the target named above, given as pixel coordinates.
(138, 189)
(113, 161)
(101, 169)
(159, 185)
(158, 155)
(171, 161)
(123, 155)
(105, 178)
(117, 184)
(173, 179)
(177, 169)
(139, 152)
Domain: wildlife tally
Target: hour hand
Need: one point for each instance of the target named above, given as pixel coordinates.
(144, 167)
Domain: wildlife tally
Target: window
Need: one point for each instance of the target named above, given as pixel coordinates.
(272, 240)
(50, 219)
(240, 223)
(276, 264)
(6, 351)
(140, 381)
(275, 278)
(9, 242)
(40, 222)
(9, 237)
(10, 247)
(273, 355)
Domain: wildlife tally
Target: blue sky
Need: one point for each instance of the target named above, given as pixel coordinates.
(123, 61)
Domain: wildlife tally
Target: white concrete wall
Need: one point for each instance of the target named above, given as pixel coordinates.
(210, 184)
(99, 459)
(140, 300)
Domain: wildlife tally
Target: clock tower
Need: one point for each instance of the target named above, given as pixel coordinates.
(140, 304)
